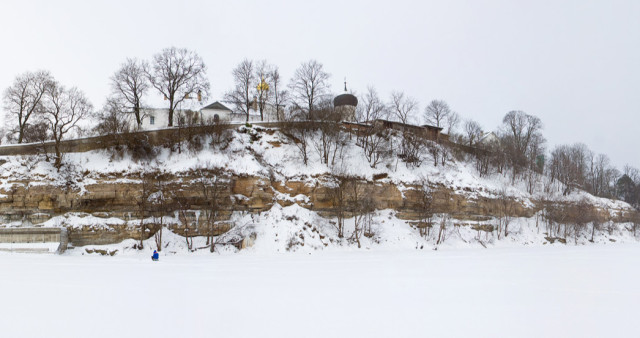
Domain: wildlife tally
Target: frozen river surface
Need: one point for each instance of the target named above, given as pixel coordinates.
(589, 291)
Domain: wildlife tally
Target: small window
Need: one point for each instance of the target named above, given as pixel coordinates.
(152, 120)
(216, 118)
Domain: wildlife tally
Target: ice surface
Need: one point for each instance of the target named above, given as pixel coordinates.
(586, 291)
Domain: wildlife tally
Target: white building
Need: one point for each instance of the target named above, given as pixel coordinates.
(489, 139)
(152, 118)
(216, 112)
(158, 118)
(270, 114)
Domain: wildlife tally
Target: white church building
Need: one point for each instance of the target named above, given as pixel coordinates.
(158, 118)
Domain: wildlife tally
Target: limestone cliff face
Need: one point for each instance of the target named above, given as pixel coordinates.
(120, 197)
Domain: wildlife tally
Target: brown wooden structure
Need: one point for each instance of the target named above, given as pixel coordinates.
(429, 132)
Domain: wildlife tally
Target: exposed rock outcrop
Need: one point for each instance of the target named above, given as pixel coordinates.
(118, 196)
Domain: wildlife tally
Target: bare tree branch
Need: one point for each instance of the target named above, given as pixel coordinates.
(177, 74)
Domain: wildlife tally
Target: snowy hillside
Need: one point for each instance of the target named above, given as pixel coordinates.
(269, 154)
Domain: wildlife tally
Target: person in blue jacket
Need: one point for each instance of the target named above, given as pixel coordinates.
(155, 256)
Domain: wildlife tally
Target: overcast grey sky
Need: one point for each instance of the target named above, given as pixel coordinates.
(574, 64)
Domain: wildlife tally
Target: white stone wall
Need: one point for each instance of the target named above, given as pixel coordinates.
(209, 114)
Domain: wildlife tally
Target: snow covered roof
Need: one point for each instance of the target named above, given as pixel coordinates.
(217, 106)
(489, 137)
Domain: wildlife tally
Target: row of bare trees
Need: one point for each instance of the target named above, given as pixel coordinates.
(519, 146)
(258, 86)
(40, 108)
(580, 168)
(178, 74)
(309, 89)
(579, 219)
(349, 199)
(158, 196)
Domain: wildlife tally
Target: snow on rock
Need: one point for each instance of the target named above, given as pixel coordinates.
(294, 229)
(82, 220)
(253, 152)
(269, 154)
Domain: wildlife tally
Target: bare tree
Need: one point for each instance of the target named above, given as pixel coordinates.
(376, 145)
(263, 90)
(632, 172)
(445, 219)
(280, 96)
(183, 206)
(23, 100)
(110, 119)
(442, 230)
(483, 160)
(425, 207)
(64, 108)
(211, 185)
(372, 107)
(357, 207)
(601, 176)
(177, 74)
(535, 161)
(520, 129)
(300, 131)
(452, 122)
(331, 140)
(159, 202)
(504, 212)
(129, 84)
(143, 203)
(220, 133)
(472, 131)
(626, 186)
(37, 132)
(403, 107)
(635, 220)
(568, 164)
(338, 194)
(309, 85)
(437, 113)
(411, 149)
(240, 96)
(435, 151)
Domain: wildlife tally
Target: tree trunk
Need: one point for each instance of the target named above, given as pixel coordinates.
(158, 238)
(142, 228)
(58, 160)
(170, 122)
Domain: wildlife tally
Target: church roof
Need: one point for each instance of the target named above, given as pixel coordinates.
(345, 100)
(217, 106)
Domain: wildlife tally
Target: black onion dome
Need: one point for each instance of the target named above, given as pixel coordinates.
(345, 100)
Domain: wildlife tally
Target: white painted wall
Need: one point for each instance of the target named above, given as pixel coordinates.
(160, 117)
(155, 119)
(209, 114)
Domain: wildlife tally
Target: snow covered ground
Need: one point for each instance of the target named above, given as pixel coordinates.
(551, 291)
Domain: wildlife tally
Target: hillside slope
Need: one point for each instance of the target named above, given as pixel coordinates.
(293, 206)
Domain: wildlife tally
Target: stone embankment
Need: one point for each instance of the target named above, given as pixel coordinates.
(21, 239)
(117, 196)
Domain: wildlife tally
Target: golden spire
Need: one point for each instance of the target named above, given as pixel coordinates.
(263, 86)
